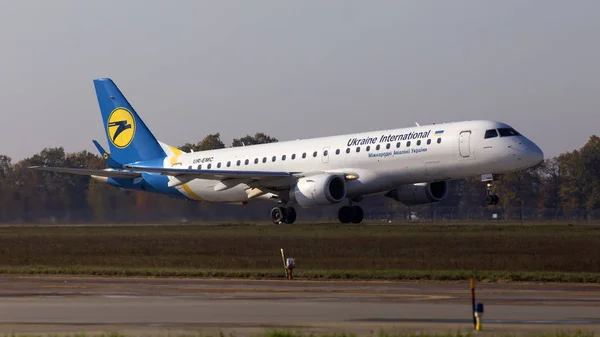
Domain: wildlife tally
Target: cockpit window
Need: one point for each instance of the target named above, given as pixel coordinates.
(491, 133)
(507, 132)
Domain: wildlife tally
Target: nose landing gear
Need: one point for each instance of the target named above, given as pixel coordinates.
(490, 197)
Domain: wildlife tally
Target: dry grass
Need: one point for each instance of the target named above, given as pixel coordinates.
(326, 250)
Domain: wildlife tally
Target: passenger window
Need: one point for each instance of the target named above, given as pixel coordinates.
(190, 167)
(398, 145)
(439, 140)
(238, 163)
(219, 165)
(283, 157)
(378, 147)
(368, 148)
(428, 141)
(228, 163)
(358, 149)
(209, 165)
(348, 150)
(315, 154)
(507, 132)
(337, 151)
(304, 155)
(274, 158)
(293, 156)
(255, 160)
(387, 146)
(199, 167)
(246, 162)
(408, 144)
(264, 159)
(418, 142)
(492, 133)
(325, 153)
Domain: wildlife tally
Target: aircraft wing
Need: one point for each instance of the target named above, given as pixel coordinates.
(213, 174)
(90, 172)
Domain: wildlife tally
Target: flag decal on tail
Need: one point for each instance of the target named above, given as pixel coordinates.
(121, 127)
(439, 133)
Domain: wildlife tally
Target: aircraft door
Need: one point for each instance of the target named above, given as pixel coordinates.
(464, 144)
(326, 154)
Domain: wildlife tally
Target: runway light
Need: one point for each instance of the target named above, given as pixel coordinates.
(289, 265)
(478, 316)
(472, 286)
(477, 308)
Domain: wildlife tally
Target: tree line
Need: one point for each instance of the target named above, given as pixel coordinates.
(551, 190)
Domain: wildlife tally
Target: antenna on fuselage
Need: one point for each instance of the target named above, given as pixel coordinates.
(417, 124)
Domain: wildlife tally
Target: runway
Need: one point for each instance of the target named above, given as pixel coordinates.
(153, 306)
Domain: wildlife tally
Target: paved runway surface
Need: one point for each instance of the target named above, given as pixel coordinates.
(145, 306)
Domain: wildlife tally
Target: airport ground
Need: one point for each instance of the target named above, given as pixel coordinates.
(159, 280)
(176, 306)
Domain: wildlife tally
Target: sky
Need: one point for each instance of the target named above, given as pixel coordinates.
(298, 69)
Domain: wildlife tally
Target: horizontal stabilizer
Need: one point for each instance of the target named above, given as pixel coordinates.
(107, 157)
(90, 172)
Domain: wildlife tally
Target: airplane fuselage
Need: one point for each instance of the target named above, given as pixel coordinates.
(381, 160)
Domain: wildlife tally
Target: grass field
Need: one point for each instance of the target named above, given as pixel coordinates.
(535, 252)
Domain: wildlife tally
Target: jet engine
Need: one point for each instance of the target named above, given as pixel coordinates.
(421, 193)
(320, 189)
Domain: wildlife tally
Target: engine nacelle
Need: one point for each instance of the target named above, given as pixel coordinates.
(421, 193)
(321, 189)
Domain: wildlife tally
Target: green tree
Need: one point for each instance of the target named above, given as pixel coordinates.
(258, 138)
(519, 190)
(581, 172)
(573, 189)
(210, 142)
(471, 192)
(50, 194)
(550, 180)
(6, 187)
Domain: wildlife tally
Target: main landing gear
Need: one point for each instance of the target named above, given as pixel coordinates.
(281, 215)
(346, 214)
(490, 197)
(352, 214)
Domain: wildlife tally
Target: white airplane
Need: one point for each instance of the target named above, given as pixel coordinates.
(410, 165)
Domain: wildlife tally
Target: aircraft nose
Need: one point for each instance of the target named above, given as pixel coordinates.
(528, 152)
(535, 154)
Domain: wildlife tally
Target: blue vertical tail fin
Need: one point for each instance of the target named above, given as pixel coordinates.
(129, 139)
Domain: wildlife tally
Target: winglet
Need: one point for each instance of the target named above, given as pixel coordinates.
(107, 157)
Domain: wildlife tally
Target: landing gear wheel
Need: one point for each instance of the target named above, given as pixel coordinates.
(289, 215)
(490, 198)
(277, 215)
(353, 214)
(344, 214)
(281, 215)
(357, 214)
